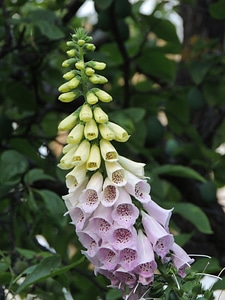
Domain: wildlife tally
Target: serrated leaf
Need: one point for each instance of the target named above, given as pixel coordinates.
(178, 170)
(195, 215)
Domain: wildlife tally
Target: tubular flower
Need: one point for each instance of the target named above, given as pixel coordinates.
(124, 232)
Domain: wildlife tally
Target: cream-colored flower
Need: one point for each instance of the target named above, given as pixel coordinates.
(66, 161)
(134, 167)
(80, 65)
(86, 113)
(106, 132)
(91, 130)
(91, 98)
(99, 115)
(75, 177)
(82, 152)
(76, 134)
(115, 173)
(121, 134)
(97, 79)
(89, 71)
(108, 152)
(69, 122)
(69, 96)
(97, 65)
(69, 85)
(102, 95)
(68, 147)
(69, 75)
(94, 159)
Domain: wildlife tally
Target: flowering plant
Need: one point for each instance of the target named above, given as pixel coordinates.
(124, 232)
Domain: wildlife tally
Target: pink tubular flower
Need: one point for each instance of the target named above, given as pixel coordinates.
(101, 221)
(123, 237)
(72, 199)
(146, 264)
(125, 212)
(128, 258)
(180, 259)
(127, 278)
(90, 241)
(161, 240)
(89, 198)
(109, 194)
(79, 217)
(160, 214)
(108, 257)
(139, 188)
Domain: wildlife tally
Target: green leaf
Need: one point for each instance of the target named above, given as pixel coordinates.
(219, 285)
(48, 267)
(198, 70)
(36, 174)
(103, 4)
(54, 205)
(195, 215)
(217, 10)
(178, 170)
(113, 294)
(214, 92)
(5, 278)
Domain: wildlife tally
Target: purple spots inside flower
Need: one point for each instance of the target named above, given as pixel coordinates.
(91, 197)
(122, 238)
(108, 257)
(117, 177)
(103, 227)
(146, 269)
(128, 258)
(110, 193)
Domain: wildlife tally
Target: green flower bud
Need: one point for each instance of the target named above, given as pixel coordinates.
(99, 115)
(70, 96)
(102, 95)
(70, 85)
(79, 65)
(91, 98)
(76, 134)
(96, 65)
(69, 75)
(94, 159)
(89, 71)
(97, 79)
(86, 113)
(71, 53)
(91, 130)
(70, 44)
(106, 132)
(69, 122)
(81, 42)
(68, 62)
(90, 47)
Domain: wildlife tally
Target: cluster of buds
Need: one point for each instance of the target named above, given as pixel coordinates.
(124, 232)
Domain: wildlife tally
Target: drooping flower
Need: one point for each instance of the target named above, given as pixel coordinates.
(90, 241)
(122, 237)
(115, 173)
(133, 167)
(94, 160)
(108, 256)
(161, 240)
(108, 152)
(110, 193)
(81, 154)
(128, 258)
(75, 177)
(180, 259)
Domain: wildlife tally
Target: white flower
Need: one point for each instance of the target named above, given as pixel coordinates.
(108, 152)
(115, 173)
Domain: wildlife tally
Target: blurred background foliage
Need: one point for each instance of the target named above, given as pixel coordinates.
(166, 71)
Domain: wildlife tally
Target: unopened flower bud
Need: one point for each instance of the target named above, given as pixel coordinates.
(97, 79)
(68, 147)
(91, 98)
(66, 161)
(76, 134)
(94, 159)
(108, 152)
(82, 152)
(71, 53)
(86, 113)
(70, 44)
(91, 130)
(99, 115)
(97, 65)
(102, 95)
(89, 71)
(121, 134)
(70, 85)
(69, 96)
(106, 132)
(68, 62)
(81, 42)
(69, 122)
(79, 65)
(90, 47)
(69, 75)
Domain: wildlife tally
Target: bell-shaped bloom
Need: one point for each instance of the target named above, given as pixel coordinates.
(108, 152)
(94, 159)
(122, 237)
(69, 122)
(72, 199)
(108, 256)
(145, 280)
(180, 259)
(75, 177)
(79, 217)
(128, 258)
(133, 167)
(128, 278)
(110, 193)
(89, 198)
(101, 221)
(160, 214)
(89, 240)
(106, 132)
(66, 162)
(91, 130)
(146, 264)
(85, 114)
(115, 173)
(125, 212)
(76, 134)
(121, 134)
(108, 274)
(139, 188)
(81, 154)
(99, 115)
(161, 240)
